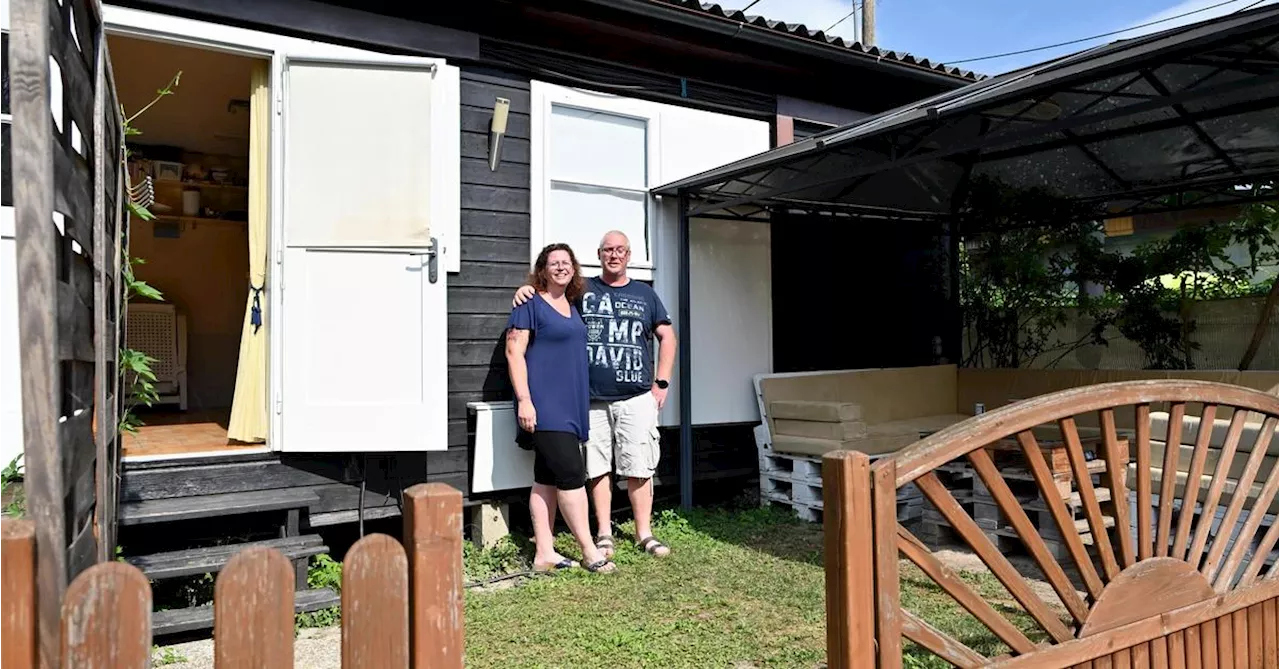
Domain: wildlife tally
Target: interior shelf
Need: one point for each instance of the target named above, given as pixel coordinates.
(200, 184)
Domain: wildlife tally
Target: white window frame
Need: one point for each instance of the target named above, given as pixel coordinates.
(446, 163)
(542, 96)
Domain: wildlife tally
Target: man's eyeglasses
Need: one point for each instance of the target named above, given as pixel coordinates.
(619, 251)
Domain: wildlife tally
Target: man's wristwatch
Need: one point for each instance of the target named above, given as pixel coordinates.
(662, 383)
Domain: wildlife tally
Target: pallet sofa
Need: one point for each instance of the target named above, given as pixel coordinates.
(881, 411)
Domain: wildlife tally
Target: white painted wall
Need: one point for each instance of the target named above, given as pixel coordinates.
(10, 358)
(731, 305)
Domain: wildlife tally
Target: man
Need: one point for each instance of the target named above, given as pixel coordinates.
(623, 317)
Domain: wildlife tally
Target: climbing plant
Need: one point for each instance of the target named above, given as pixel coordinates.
(1033, 261)
(135, 366)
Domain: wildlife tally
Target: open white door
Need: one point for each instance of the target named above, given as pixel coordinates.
(363, 310)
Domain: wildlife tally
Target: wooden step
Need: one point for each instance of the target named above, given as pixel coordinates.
(212, 559)
(175, 621)
(208, 506)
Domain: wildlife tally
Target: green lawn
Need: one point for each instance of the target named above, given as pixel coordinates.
(741, 589)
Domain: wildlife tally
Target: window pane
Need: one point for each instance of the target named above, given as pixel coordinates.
(580, 217)
(597, 148)
(358, 156)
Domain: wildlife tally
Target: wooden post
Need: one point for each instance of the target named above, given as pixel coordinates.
(36, 246)
(850, 563)
(433, 541)
(888, 598)
(18, 582)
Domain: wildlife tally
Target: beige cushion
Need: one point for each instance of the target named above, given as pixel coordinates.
(870, 445)
(1191, 429)
(833, 412)
(917, 426)
(1181, 485)
(849, 429)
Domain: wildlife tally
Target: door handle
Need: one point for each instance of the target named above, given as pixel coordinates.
(433, 260)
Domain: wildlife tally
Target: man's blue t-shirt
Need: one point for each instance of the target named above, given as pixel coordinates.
(556, 366)
(620, 325)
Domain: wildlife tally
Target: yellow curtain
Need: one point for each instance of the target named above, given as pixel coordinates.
(249, 408)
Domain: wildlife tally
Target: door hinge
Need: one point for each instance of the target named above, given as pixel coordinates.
(279, 104)
(279, 405)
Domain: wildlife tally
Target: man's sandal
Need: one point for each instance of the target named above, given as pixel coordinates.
(602, 566)
(604, 543)
(653, 547)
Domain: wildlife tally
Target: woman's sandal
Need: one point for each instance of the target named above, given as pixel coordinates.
(604, 543)
(653, 547)
(563, 564)
(603, 566)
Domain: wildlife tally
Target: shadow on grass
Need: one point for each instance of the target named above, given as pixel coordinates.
(767, 530)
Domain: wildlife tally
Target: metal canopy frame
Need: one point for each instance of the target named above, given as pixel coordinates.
(1116, 127)
(1185, 118)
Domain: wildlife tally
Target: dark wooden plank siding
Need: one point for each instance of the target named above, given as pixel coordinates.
(494, 256)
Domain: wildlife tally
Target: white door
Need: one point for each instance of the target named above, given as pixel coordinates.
(363, 309)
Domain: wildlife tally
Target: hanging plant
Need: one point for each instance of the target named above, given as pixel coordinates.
(139, 380)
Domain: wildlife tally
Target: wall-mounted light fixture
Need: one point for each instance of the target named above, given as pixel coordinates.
(497, 129)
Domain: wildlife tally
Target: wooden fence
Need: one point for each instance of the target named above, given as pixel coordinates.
(401, 604)
(1182, 581)
(68, 143)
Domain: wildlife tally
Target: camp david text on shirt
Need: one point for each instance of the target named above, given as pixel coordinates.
(620, 325)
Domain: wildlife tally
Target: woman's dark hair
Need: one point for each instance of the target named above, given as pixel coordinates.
(539, 278)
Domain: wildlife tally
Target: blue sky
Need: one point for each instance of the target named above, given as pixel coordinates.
(950, 30)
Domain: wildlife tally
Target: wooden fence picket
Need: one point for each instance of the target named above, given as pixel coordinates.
(375, 604)
(106, 619)
(253, 611)
(18, 607)
(433, 540)
(402, 604)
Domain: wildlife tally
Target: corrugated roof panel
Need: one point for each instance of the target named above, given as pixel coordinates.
(802, 31)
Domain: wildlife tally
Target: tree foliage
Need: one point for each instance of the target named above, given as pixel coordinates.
(1033, 262)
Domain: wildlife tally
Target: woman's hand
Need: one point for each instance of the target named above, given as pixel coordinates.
(527, 415)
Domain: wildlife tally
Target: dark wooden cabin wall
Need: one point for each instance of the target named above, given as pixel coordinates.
(495, 252)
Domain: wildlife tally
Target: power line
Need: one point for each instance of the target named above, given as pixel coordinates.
(844, 18)
(1107, 34)
(753, 4)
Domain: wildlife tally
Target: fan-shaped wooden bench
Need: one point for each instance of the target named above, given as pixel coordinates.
(1181, 585)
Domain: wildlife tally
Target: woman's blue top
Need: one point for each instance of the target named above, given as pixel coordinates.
(556, 359)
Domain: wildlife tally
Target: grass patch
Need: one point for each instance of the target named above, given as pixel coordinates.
(741, 589)
(322, 572)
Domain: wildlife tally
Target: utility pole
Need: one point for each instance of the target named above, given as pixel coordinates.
(868, 22)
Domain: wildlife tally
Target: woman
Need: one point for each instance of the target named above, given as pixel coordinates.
(547, 361)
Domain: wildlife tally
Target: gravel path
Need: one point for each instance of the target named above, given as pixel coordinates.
(314, 649)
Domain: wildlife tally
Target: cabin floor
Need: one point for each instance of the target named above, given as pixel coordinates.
(183, 433)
